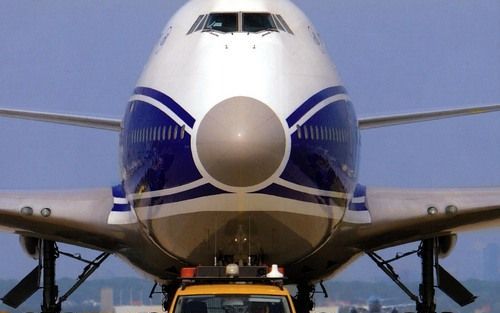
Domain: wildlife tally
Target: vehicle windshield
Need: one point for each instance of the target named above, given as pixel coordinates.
(232, 304)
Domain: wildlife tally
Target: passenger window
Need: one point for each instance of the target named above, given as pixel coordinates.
(175, 132)
(256, 22)
(183, 131)
(222, 22)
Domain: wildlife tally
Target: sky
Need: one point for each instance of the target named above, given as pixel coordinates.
(84, 57)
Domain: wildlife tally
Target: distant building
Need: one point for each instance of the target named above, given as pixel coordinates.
(107, 300)
(138, 309)
(326, 309)
(491, 255)
(483, 309)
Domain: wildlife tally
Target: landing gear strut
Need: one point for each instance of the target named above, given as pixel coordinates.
(425, 302)
(50, 289)
(167, 291)
(303, 300)
(51, 302)
(168, 295)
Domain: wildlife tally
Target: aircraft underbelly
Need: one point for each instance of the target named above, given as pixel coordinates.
(233, 227)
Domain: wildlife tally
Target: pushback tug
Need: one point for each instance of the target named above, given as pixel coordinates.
(230, 289)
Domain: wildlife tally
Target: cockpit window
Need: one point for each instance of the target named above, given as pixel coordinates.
(256, 22)
(248, 22)
(200, 25)
(278, 24)
(222, 22)
(195, 24)
(282, 21)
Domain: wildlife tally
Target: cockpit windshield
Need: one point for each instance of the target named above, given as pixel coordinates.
(256, 22)
(247, 22)
(222, 22)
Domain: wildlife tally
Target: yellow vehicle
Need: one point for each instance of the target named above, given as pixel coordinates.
(231, 295)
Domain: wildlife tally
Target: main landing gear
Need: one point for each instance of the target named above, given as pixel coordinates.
(425, 301)
(46, 269)
(304, 299)
(167, 292)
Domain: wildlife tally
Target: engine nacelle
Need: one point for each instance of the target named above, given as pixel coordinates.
(446, 245)
(30, 245)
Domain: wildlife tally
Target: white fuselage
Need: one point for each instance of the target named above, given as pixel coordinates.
(239, 146)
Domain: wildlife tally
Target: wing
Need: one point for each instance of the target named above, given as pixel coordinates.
(97, 218)
(397, 216)
(75, 120)
(391, 120)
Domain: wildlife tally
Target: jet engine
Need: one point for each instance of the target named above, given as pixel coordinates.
(30, 245)
(446, 244)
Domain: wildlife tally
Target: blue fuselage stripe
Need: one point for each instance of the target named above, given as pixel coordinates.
(208, 190)
(198, 192)
(169, 162)
(312, 101)
(119, 192)
(359, 193)
(284, 192)
(121, 208)
(168, 102)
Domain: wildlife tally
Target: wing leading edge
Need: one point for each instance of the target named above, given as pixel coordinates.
(404, 215)
(392, 120)
(68, 119)
(90, 218)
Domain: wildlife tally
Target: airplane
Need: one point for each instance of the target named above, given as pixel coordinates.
(194, 191)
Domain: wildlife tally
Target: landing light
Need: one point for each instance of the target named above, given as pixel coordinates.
(27, 211)
(45, 212)
(232, 270)
(451, 209)
(432, 210)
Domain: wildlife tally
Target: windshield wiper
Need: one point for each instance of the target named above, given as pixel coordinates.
(212, 31)
(268, 30)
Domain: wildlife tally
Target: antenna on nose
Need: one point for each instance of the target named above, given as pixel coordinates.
(215, 242)
(249, 242)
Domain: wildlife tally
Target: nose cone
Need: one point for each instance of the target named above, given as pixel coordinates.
(241, 142)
